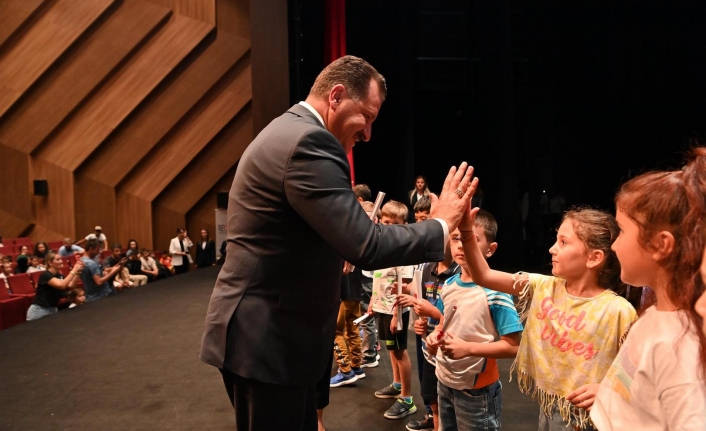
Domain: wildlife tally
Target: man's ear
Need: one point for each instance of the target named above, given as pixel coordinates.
(336, 95)
(491, 249)
(662, 245)
(595, 259)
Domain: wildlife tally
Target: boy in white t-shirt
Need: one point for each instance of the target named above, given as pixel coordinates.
(384, 303)
(485, 327)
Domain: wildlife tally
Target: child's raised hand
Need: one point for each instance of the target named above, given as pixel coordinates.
(420, 326)
(406, 301)
(468, 220)
(584, 396)
(454, 348)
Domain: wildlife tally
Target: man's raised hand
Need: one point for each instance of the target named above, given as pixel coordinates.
(455, 197)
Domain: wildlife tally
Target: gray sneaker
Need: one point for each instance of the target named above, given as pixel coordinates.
(388, 392)
(400, 409)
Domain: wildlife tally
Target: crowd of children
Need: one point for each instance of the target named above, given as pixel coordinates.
(588, 356)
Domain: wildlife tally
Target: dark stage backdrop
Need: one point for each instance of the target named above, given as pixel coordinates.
(569, 98)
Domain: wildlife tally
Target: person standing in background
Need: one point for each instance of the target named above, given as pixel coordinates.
(205, 251)
(179, 249)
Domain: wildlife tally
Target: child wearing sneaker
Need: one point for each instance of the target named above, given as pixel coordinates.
(485, 327)
(384, 304)
(347, 347)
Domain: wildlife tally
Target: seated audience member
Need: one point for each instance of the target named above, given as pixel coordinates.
(50, 286)
(149, 266)
(22, 260)
(5, 272)
(166, 261)
(162, 271)
(40, 250)
(35, 265)
(422, 209)
(205, 251)
(134, 267)
(362, 193)
(114, 258)
(76, 297)
(132, 248)
(69, 248)
(95, 280)
(122, 280)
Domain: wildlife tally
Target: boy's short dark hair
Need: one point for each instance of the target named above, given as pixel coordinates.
(362, 191)
(92, 243)
(116, 245)
(486, 220)
(423, 205)
(394, 209)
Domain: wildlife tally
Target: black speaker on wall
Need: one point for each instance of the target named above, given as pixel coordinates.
(41, 188)
(222, 200)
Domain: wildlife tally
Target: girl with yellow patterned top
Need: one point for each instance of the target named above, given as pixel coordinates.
(574, 320)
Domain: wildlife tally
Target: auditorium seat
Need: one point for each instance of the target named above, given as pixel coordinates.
(20, 285)
(13, 309)
(105, 253)
(34, 277)
(23, 241)
(55, 245)
(72, 260)
(8, 242)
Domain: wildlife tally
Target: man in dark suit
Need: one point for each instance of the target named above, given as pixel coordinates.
(292, 220)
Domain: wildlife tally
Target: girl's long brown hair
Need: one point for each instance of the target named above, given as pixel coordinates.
(676, 202)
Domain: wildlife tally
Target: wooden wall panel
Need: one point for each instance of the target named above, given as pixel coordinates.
(202, 214)
(13, 13)
(55, 211)
(95, 205)
(132, 208)
(53, 33)
(15, 179)
(234, 17)
(52, 99)
(160, 168)
(13, 227)
(166, 230)
(270, 60)
(209, 166)
(129, 144)
(202, 10)
(125, 90)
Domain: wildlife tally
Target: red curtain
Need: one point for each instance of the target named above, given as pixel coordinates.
(335, 43)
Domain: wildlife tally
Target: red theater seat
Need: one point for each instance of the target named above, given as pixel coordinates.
(13, 309)
(20, 285)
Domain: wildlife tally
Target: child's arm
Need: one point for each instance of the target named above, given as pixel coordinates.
(480, 271)
(455, 348)
(584, 396)
(393, 321)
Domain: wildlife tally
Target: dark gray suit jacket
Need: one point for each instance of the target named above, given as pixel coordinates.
(292, 220)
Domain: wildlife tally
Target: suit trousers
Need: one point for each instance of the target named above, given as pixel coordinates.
(348, 347)
(261, 406)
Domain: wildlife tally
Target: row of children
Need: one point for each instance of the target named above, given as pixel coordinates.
(584, 354)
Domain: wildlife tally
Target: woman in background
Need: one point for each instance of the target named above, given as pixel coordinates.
(205, 251)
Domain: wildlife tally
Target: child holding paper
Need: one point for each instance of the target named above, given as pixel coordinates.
(383, 303)
(485, 327)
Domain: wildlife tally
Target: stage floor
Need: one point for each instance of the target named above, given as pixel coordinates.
(130, 362)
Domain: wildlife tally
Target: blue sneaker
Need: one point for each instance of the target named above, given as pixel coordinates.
(341, 379)
(359, 372)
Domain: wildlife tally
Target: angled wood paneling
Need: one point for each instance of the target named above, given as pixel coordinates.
(53, 99)
(202, 10)
(15, 179)
(125, 90)
(234, 17)
(13, 227)
(202, 215)
(128, 145)
(13, 13)
(161, 167)
(53, 33)
(56, 210)
(209, 166)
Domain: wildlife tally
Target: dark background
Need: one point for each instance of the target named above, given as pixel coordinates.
(570, 97)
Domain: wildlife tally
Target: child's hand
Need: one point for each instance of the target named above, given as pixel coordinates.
(432, 341)
(455, 348)
(420, 326)
(424, 308)
(468, 221)
(406, 301)
(584, 396)
(393, 324)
